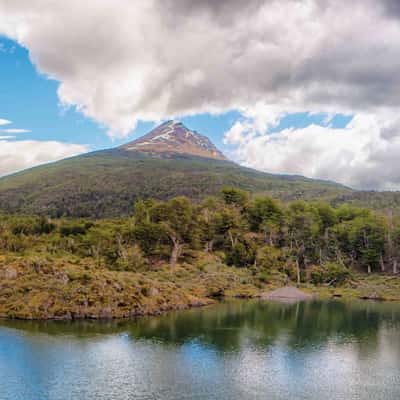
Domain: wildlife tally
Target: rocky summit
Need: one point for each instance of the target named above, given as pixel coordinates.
(173, 138)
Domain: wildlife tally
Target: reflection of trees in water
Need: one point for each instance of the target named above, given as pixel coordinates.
(260, 323)
(78, 329)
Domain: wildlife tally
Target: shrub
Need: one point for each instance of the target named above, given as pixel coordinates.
(31, 226)
(131, 259)
(73, 229)
(268, 258)
(242, 254)
(330, 273)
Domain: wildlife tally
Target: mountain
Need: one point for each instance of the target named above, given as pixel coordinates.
(173, 138)
(169, 161)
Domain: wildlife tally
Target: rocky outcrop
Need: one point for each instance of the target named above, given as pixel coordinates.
(287, 293)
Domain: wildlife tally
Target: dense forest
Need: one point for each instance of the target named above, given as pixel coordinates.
(305, 240)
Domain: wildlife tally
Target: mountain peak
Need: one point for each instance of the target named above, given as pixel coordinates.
(172, 138)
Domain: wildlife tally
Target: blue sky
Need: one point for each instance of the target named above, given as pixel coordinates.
(29, 99)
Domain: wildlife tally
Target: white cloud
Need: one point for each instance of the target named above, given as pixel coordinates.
(14, 130)
(18, 155)
(4, 122)
(361, 155)
(121, 61)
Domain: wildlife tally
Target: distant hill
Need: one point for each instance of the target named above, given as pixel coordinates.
(169, 161)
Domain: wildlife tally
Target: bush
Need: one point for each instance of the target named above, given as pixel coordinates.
(269, 258)
(330, 273)
(242, 254)
(31, 226)
(131, 259)
(73, 229)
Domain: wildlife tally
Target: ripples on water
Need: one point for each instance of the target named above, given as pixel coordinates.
(236, 350)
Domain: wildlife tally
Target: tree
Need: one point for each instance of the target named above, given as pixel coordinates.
(265, 215)
(395, 248)
(241, 254)
(347, 212)
(177, 219)
(234, 196)
(304, 226)
(208, 217)
(367, 239)
(230, 224)
(269, 258)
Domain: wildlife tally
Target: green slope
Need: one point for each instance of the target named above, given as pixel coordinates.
(107, 183)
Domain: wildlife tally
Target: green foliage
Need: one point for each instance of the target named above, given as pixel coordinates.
(301, 239)
(131, 259)
(269, 258)
(347, 212)
(264, 213)
(241, 254)
(327, 215)
(176, 217)
(149, 236)
(330, 273)
(32, 226)
(367, 238)
(74, 228)
(234, 196)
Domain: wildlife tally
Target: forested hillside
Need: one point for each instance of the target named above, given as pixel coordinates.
(107, 183)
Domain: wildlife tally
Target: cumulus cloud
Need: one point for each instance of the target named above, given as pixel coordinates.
(17, 155)
(364, 154)
(121, 61)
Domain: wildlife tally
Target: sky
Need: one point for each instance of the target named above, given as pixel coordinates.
(284, 86)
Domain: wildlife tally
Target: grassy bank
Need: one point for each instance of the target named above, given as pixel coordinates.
(72, 288)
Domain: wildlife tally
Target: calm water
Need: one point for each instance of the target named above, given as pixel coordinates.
(236, 350)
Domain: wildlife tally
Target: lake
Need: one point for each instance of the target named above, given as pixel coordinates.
(235, 350)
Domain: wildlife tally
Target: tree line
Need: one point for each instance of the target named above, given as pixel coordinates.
(304, 240)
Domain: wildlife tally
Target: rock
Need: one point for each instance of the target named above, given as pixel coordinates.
(153, 292)
(118, 287)
(150, 291)
(287, 293)
(63, 277)
(9, 273)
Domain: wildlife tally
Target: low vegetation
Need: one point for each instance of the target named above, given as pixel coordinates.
(179, 253)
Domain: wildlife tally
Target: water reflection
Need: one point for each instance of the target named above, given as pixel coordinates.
(239, 349)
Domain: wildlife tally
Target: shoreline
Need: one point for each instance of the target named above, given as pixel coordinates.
(317, 295)
(66, 291)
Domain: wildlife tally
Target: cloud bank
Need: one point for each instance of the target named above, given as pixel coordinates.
(363, 155)
(122, 61)
(17, 155)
